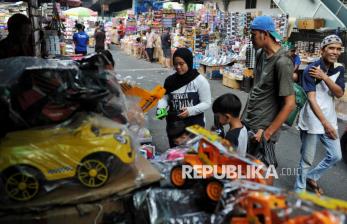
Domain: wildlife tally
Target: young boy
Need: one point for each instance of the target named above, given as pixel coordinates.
(178, 133)
(227, 107)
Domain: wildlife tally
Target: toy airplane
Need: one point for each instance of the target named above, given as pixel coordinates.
(148, 99)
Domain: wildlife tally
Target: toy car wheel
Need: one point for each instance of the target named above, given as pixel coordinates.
(22, 183)
(177, 179)
(214, 190)
(94, 171)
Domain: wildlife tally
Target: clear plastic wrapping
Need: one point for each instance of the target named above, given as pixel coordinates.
(165, 205)
(242, 201)
(44, 92)
(87, 149)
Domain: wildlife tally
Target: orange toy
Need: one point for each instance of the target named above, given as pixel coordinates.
(212, 151)
(260, 208)
(318, 217)
(247, 202)
(148, 99)
(265, 208)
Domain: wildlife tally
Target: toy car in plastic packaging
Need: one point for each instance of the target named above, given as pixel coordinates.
(245, 202)
(212, 151)
(86, 149)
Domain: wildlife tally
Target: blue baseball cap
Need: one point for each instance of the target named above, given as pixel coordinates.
(266, 23)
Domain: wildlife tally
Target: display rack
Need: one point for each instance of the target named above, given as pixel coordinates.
(169, 18)
(6, 11)
(157, 20)
(130, 24)
(189, 30)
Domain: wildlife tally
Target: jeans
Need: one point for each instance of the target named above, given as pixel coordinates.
(150, 53)
(308, 150)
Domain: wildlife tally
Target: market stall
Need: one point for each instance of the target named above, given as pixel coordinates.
(75, 148)
(82, 15)
(219, 40)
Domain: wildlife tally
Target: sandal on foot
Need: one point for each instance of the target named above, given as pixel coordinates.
(313, 185)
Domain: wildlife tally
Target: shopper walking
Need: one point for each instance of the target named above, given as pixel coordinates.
(166, 46)
(322, 80)
(100, 38)
(81, 40)
(272, 98)
(150, 38)
(188, 94)
(120, 30)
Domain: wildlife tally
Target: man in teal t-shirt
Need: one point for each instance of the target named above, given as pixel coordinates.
(272, 98)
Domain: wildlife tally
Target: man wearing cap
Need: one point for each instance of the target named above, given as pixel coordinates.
(322, 80)
(272, 97)
(296, 61)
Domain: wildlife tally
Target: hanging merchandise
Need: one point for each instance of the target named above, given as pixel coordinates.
(250, 55)
(180, 17)
(157, 20)
(108, 26)
(130, 24)
(189, 30)
(6, 11)
(68, 35)
(169, 18)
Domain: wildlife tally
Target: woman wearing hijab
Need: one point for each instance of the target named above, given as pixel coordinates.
(188, 94)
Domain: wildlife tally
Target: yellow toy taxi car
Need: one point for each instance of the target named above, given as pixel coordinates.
(84, 150)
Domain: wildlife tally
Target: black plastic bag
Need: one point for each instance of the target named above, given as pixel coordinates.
(263, 150)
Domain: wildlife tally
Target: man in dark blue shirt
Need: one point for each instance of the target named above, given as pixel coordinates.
(322, 80)
(81, 40)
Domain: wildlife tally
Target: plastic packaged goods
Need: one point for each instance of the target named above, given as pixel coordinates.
(165, 205)
(62, 121)
(87, 148)
(40, 92)
(242, 201)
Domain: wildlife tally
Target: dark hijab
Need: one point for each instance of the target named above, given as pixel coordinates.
(176, 80)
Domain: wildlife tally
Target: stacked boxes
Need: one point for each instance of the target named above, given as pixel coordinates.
(169, 18)
(189, 32)
(310, 24)
(157, 20)
(180, 17)
(250, 55)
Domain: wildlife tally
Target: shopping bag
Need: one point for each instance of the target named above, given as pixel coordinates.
(263, 150)
(267, 153)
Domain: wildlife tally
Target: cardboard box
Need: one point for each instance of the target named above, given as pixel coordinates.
(80, 214)
(230, 82)
(310, 24)
(80, 205)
